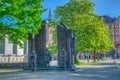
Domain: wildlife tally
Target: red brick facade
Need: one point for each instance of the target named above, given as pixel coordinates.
(114, 26)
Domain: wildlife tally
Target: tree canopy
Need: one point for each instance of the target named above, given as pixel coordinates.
(92, 34)
(23, 17)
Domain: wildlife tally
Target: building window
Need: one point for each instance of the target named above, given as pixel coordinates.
(117, 39)
(14, 48)
(2, 45)
(110, 26)
(116, 26)
(116, 33)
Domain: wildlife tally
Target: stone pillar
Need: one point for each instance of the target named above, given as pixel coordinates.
(66, 41)
(70, 48)
(30, 47)
(40, 46)
(62, 42)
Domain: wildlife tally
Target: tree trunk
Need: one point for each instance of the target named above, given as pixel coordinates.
(94, 55)
(75, 56)
(97, 55)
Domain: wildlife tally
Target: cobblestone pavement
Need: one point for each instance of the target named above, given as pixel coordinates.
(99, 71)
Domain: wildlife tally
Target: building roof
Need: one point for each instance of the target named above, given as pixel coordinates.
(108, 19)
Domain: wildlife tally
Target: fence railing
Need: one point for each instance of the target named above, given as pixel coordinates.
(13, 58)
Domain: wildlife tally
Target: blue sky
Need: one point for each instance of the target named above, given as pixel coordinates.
(52, 4)
(103, 7)
(107, 7)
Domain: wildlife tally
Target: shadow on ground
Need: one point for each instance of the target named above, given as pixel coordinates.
(100, 71)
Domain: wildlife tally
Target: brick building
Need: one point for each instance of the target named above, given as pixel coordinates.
(114, 26)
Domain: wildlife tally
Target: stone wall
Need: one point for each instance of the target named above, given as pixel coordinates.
(13, 61)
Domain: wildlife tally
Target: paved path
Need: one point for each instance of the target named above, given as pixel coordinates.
(100, 71)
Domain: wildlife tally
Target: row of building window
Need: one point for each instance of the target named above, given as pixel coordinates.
(2, 48)
(117, 39)
(117, 33)
(115, 26)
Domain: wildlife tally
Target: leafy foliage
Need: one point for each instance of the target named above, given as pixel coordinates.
(53, 47)
(24, 17)
(91, 32)
(77, 62)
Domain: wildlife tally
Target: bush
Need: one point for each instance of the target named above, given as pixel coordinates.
(77, 62)
(96, 60)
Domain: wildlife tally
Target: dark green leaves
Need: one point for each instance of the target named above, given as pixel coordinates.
(25, 17)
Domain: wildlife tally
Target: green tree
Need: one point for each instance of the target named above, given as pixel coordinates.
(91, 32)
(24, 16)
(52, 48)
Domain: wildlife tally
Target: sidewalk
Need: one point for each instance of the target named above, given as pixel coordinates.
(98, 71)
